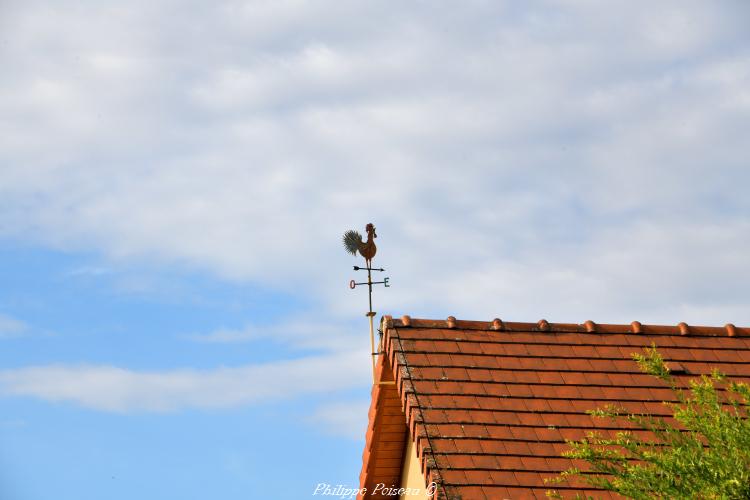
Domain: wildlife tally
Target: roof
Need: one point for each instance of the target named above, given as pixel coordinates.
(490, 404)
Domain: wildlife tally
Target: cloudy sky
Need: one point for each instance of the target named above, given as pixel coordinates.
(175, 178)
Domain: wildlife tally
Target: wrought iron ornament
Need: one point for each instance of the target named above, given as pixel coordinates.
(354, 244)
(367, 249)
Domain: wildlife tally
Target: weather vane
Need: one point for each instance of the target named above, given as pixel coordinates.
(353, 243)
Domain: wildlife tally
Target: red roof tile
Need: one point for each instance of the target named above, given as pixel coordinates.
(490, 404)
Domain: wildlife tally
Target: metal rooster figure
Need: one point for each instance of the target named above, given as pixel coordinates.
(353, 243)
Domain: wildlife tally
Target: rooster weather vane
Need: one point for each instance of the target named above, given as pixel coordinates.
(354, 244)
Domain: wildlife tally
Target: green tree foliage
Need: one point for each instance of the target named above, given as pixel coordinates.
(702, 453)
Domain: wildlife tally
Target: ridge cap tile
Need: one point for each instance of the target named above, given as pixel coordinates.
(589, 326)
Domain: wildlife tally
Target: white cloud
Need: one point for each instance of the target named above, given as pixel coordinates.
(343, 418)
(89, 271)
(570, 160)
(11, 327)
(315, 333)
(227, 336)
(16, 423)
(113, 389)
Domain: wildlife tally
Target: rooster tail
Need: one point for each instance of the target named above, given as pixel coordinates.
(352, 240)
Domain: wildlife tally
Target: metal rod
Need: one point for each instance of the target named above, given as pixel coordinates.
(369, 285)
(370, 315)
(372, 346)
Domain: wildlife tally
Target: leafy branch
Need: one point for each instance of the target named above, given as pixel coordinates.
(701, 452)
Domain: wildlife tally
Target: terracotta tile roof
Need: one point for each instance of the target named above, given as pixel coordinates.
(490, 404)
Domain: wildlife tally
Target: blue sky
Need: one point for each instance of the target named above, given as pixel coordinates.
(175, 178)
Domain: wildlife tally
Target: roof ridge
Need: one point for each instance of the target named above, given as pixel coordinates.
(636, 327)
